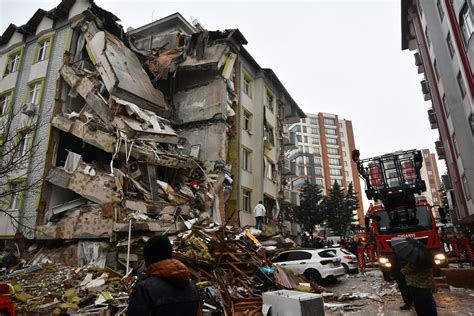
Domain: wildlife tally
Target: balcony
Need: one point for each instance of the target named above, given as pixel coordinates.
(440, 150)
(426, 90)
(289, 140)
(291, 115)
(291, 197)
(289, 169)
(419, 63)
(432, 118)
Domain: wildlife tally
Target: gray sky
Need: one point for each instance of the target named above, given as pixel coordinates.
(339, 57)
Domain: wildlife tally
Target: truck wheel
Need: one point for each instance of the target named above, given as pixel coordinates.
(386, 276)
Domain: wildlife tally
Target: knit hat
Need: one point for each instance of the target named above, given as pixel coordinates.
(157, 248)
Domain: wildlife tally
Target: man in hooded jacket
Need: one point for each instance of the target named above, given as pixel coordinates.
(166, 287)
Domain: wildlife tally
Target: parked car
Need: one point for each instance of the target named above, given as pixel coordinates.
(348, 259)
(315, 264)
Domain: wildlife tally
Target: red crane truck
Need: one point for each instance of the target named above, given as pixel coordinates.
(393, 181)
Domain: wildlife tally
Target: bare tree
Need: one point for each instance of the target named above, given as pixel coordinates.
(19, 174)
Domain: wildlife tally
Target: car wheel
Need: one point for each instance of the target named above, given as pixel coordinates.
(313, 275)
(346, 268)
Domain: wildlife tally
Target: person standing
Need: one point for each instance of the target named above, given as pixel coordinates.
(420, 282)
(166, 287)
(398, 264)
(259, 212)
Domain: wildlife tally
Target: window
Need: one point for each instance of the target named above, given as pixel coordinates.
(34, 94)
(306, 139)
(435, 65)
(430, 173)
(449, 42)
(342, 134)
(466, 25)
(247, 86)
(338, 181)
(427, 36)
(269, 100)
(301, 148)
(313, 121)
(299, 138)
(344, 153)
(316, 150)
(314, 131)
(13, 63)
(25, 138)
(314, 140)
(332, 141)
(247, 121)
(318, 171)
(330, 131)
(301, 171)
(5, 102)
(319, 181)
(268, 134)
(440, 9)
(304, 129)
(433, 190)
(329, 121)
(347, 173)
(455, 143)
(334, 172)
(445, 105)
(462, 86)
(466, 188)
(334, 161)
(295, 128)
(16, 189)
(270, 170)
(333, 151)
(317, 160)
(43, 50)
(299, 159)
(247, 159)
(247, 200)
(306, 160)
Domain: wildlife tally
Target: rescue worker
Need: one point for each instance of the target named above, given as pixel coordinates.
(259, 212)
(398, 264)
(421, 285)
(166, 287)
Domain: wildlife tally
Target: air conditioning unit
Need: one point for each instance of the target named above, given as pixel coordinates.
(28, 109)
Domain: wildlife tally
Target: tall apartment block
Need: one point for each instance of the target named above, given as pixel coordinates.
(440, 34)
(429, 173)
(325, 144)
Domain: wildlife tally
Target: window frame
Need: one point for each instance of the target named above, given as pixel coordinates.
(244, 204)
(41, 40)
(247, 117)
(246, 159)
(247, 83)
(449, 43)
(269, 94)
(466, 25)
(329, 121)
(21, 194)
(461, 84)
(332, 141)
(6, 107)
(327, 129)
(20, 137)
(440, 10)
(16, 52)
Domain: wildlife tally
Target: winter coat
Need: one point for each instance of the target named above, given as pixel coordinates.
(259, 210)
(165, 289)
(419, 277)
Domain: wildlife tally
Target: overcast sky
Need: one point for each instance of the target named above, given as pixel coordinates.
(340, 57)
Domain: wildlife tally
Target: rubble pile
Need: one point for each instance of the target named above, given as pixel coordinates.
(55, 289)
(231, 269)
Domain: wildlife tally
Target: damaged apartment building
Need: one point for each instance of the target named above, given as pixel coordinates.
(140, 133)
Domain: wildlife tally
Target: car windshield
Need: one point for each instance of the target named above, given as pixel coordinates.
(404, 219)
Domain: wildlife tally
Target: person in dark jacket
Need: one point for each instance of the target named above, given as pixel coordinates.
(165, 288)
(398, 264)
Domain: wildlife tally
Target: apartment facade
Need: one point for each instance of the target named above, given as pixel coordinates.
(201, 130)
(429, 173)
(440, 33)
(325, 144)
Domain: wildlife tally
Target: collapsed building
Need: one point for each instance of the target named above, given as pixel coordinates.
(139, 133)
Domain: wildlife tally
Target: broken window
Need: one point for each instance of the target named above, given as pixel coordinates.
(43, 50)
(269, 100)
(5, 102)
(270, 169)
(246, 200)
(246, 159)
(268, 135)
(247, 121)
(13, 63)
(35, 92)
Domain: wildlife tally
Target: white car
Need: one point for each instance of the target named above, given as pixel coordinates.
(348, 259)
(315, 264)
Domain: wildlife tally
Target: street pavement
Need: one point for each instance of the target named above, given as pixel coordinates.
(368, 294)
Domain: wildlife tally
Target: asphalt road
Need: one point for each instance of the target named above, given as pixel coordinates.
(368, 294)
